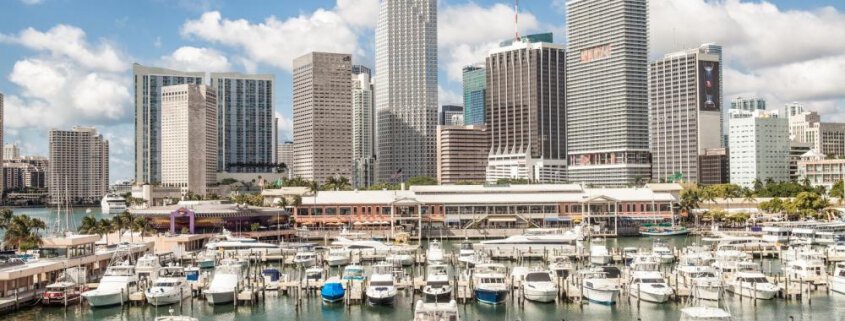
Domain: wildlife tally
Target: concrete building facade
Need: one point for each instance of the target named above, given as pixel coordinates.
(759, 143)
(796, 151)
(818, 171)
(475, 93)
(462, 153)
(607, 92)
(189, 138)
(684, 113)
(526, 112)
(322, 110)
(245, 122)
(406, 89)
(363, 128)
(285, 156)
(148, 84)
(447, 114)
(826, 138)
(714, 166)
(749, 104)
(11, 151)
(79, 166)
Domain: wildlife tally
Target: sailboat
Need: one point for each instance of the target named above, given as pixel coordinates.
(663, 229)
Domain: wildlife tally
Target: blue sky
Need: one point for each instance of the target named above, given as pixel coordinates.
(781, 50)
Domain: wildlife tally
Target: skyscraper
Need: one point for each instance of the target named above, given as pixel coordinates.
(322, 110)
(363, 128)
(79, 166)
(759, 147)
(148, 84)
(246, 122)
(189, 137)
(406, 89)
(685, 113)
(607, 91)
(447, 113)
(475, 90)
(748, 104)
(2, 179)
(11, 151)
(462, 153)
(526, 114)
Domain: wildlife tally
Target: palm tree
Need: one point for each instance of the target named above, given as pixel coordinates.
(123, 222)
(88, 225)
(104, 227)
(22, 232)
(140, 224)
(748, 195)
(6, 216)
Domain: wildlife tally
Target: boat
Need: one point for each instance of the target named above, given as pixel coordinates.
(628, 254)
(802, 236)
(644, 262)
(836, 252)
(332, 290)
(67, 289)
(837, 282)
(702, 280)
(112, 204)
(118, 280)
(193, 275)
(361, 242)
(538, 286)
(170, 287)
(562, 266)
(237, 247)
(353, 273)
(705, 314)
(663, 229)
(726, 259)
(599, 254)
(538, 239)
(147, 267)
(381, 289)
(172, 317)
(776, 234)
(599, 286)
(313, 275)
(749, 282)
(306, 258)
(272, 277)
(338, 256)
(807, 267)
(662, 252)
(437, 287)
(489, 281)
(649, 286)
(400, 255)
(224, 281)
(436, 311)
(434, 254)
(466, 254)
(743, 243)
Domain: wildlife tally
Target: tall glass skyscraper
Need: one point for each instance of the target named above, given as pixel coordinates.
(475, 87)
(363, 128)
(246, 116)
(406, 89)
(148, 84)
(607, 91)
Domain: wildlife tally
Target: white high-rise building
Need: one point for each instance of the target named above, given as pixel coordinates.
(11, 151)
(607, 91)
(2, 188)
(363, 129)
(189, 137)
(285, 156)
(760, 147)
(79, 166)
(792, 109)
(406, 89)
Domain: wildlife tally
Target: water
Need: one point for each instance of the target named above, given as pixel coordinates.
(823, 307)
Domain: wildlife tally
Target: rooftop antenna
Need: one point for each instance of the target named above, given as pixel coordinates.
(516, 18)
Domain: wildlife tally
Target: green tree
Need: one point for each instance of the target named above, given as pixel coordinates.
(22, 232)
(837, 191)
(690, 200)
(141, 225)
(6, 216)
(254, 227)
(775, 205)
(421, 180)
(88, 225)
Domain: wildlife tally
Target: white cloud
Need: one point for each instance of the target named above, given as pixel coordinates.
(285, 127)
(197, 59)
(63, 41)
(32, 2)
(359, 13)
(276, 42)
(448, 97)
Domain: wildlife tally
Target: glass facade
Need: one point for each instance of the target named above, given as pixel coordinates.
(475, 88)
(245, 122)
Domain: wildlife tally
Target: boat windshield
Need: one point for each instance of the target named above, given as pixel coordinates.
(381, 283)
(492, 280)
(164, 284)
(754, 280)
(538, 277)
(649, 280)
(437, 284)
(703, 275)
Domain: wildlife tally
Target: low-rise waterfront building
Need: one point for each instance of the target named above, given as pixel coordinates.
(819, 171)
(209, 216)
(796, 151)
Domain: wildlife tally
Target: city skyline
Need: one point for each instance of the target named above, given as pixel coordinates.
(48, 85)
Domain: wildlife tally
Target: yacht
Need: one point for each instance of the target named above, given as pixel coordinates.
(361, 242)
(743, 243)
(353, 273)
(466, 254)
(225, 279)
(381, 289)
(599, 254)
(802, 236)
(338, 256)
(599, 287)
(437, 287)
(644, 262)
(539, 239)
(434, 253)
(702, 280)
(776, 234)
(170, 287)
(240, 247)
(807, 267)
(400, 255)
(437, 311)
(272, 278)
(489, 281)
(113, 204)
(114, 287)
(562, 266)
(147, 267)
(628, 254)
(305, 258)
(837, 282)
(705, 314)
(313, 275)
(662, 252)
(747, 281)
(332, 290)
(538, 286)
(726, 258)
(836, 252)
(649, 286)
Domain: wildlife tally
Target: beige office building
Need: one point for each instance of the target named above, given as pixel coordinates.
(79, 166)
(827, 138)
(462, 153)
(189, 137)
(322, 115)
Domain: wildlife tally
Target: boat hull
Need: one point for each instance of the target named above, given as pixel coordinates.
(58, 298)
(221, 297)
(601, 296)
(650, 296)
(837, 284)
(437, 296)
(337, 261)
(600, 259)
(381, 300)
(104, 299)
(332, 292)
(754, 293)
(540, 295)
(490, 296)
(168, 298)
(707, 292)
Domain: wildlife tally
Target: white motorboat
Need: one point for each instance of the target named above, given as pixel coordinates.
(628, 254)
(562, 266)
(147, 267)
(239, 247)
(338, 256)
(272, 277)
(169, 288)
(705, 314)
(353, 273)
(313, 275)
(225, 279)
(662, 252)
(702, 280)
(381, 289)
(649, 286)
(466, 254)
(400, 255)
(114, 287)
(599, 287)
(743, 243)
(112, 204)
(644, 262)
(490, 283)
(537, 239)
(802, 236)
(776, 234)
(437, 287)
(836, 252)
(434, 254)
(837, 282)
(808, 267)
(360, 242)
(747, 281)
(539, 286)
(305, 258)
(802, 251)
(436, 311)
(726, 259)
(599, 255)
